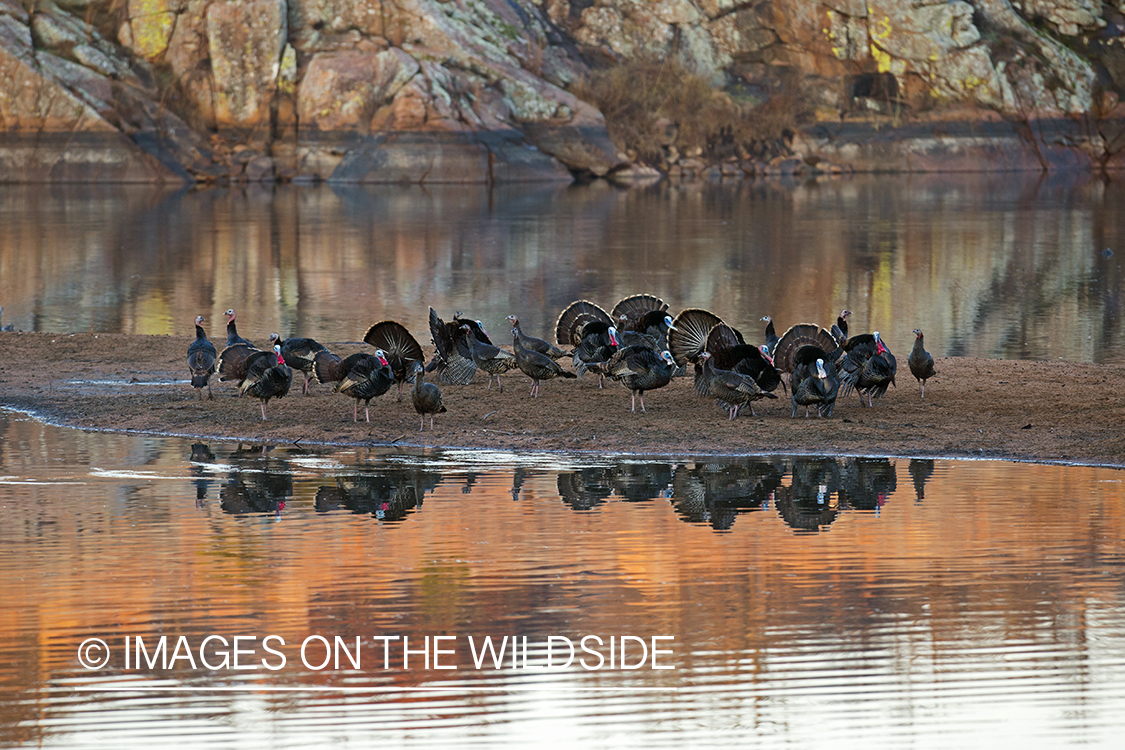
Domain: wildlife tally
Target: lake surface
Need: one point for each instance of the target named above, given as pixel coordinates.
(1006, 266)
(801, 601)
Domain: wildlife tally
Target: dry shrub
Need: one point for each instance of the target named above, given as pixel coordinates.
(636, 96)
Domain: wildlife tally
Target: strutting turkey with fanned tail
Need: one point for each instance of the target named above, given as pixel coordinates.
(696, 331)
(201, 358)
(868, 366)
(299, 354)
(804, 334)
(590, 330)
(267, 376)
(814, 381)
(400, 348)
(797, 353)
(642, 320)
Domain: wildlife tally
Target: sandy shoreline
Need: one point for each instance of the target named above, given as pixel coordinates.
(974, 408)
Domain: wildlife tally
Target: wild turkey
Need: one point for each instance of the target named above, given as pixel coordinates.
(921, 362)
(492, 359)
(689, 337)
(595, 349)
(533, 344)
(641, 369)
(814, 381)
(232, 331)
(639, 313)
(299, 354)
(729, 351)
(569, 328)
(426, 397)
(452, 361)
(234, 362)
(802, 334)
(201, 359)
(771, 336)
(267, 376)
(867, 366)
(399, 347)
(731, 389)
(363, 377)
(536, 366)
(840, 330)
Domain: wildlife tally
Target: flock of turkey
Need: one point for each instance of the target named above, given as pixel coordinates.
(637, 344)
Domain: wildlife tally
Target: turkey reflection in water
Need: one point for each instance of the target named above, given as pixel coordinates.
(907, 602)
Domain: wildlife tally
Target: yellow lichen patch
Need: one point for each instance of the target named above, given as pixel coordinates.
(881, 57)
(152, 27)
(287, 72)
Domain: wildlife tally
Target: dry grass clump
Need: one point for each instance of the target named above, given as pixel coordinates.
(657, 109)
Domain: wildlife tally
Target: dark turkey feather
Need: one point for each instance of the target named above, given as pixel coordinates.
(635, 308)
(452, 361)
(566, 332)
(802, 334)
(402, 350)
(234, 361)
(689, 338)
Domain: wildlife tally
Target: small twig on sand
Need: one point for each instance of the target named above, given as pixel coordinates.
(400, 437)
(486, 416)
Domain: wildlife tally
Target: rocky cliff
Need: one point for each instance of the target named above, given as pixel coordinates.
(489, 90)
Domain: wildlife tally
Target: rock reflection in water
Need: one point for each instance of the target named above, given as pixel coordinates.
(389, 495)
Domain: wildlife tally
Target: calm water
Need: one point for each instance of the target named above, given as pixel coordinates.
(1006, 266)
(810, 602)
(802, 601)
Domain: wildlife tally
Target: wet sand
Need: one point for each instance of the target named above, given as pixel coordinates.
(1021, 410)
